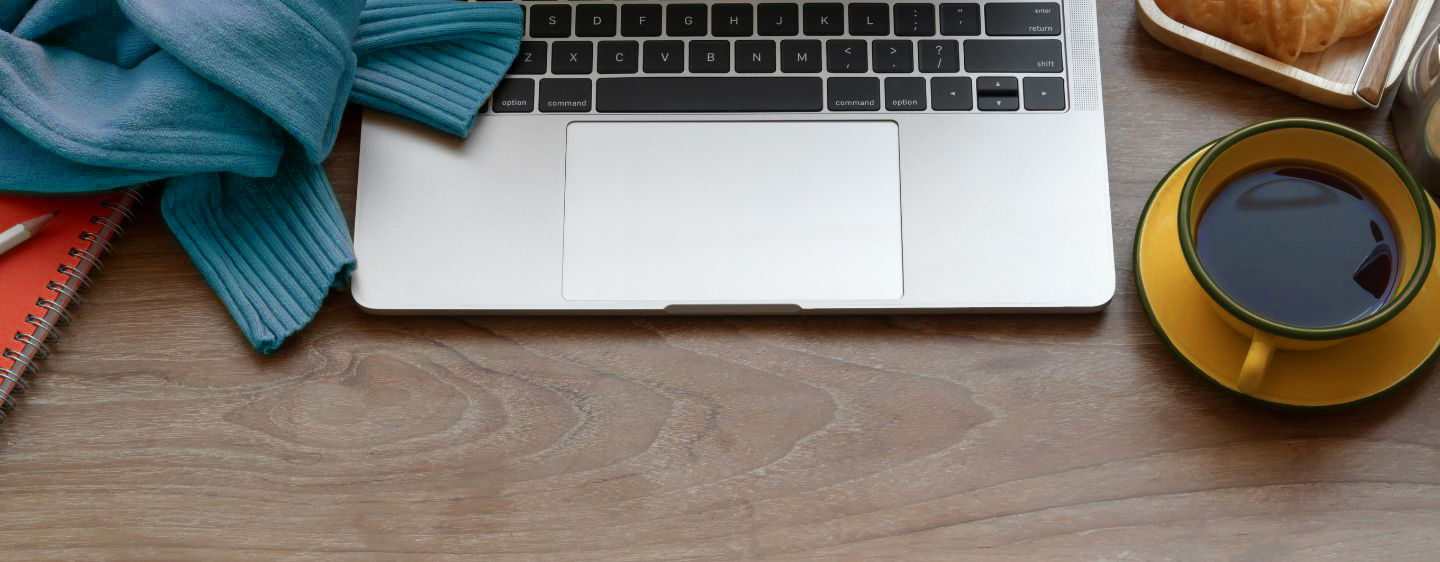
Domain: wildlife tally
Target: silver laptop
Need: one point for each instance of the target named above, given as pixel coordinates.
(756, 157)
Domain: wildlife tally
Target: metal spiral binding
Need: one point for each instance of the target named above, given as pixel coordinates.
(74, 273)
(111, 224)
(71, 297)
(44, 327)
(124, 211)
(20, 385)
(23, 364)
(37, 343)
(95, 240)
(97, 245)
(90, 259)
(52, 306)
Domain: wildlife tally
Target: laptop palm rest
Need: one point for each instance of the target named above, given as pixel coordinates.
(732, 212)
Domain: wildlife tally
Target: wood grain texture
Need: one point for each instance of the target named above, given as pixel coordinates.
(1331, 77)
(1370, 86)
(155, 433)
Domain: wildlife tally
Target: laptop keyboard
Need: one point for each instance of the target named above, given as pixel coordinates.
(734, 57)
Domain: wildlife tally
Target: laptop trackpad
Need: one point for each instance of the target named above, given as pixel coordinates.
(770, 213)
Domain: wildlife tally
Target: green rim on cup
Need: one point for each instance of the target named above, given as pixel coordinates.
(1396, 304)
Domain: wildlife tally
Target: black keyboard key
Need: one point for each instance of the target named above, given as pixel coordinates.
(959, 19)
(708, 94)
(998, 93)
(778, 20)
(940, 55)
(799, 55)
(754, 56)
(565, 95)
(894, 56)
(595, 20)
(549, 20)
(905, 94)
(825, 19)
(732, 20)
(854, 94)
(685, 20)
(1013, 55)
(640, 20)
(998, 103)
(914, 20)
(710, 56)
(1044, 94)
(846, 55)
(664, 57)
(950, 93)
(573, 57)
(1028, 18)
(997, 86)
(618, 57)
(514, 95)
(531, 59)
(869, 19)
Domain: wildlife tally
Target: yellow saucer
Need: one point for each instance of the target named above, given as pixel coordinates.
(1361, 367)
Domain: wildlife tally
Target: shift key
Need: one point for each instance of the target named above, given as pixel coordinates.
(1014, 55)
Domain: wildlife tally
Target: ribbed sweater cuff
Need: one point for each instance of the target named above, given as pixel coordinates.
(387, 24)
(272, 248)
(434, 61)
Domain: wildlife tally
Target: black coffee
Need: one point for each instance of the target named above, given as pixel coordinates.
(1299, 246)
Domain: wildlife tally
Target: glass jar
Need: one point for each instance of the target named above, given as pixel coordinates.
(1416, 119)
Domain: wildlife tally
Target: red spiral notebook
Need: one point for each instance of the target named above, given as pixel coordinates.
(42, 277)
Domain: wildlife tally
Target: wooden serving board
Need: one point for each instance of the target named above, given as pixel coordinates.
(1326, 77)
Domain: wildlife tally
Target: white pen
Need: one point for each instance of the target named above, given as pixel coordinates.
(23, 231)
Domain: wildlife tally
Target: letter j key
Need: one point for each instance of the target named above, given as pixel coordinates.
(778, 20)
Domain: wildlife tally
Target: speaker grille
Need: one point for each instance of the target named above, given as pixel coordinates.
(1084, 60)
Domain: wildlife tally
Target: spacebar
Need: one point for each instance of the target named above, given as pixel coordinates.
(707, 94)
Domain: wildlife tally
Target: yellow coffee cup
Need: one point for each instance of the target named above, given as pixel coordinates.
(1326, 145)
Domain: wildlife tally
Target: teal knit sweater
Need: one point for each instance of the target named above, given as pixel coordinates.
(232, 105)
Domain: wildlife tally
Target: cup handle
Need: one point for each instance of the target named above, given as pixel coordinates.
(1252, 372)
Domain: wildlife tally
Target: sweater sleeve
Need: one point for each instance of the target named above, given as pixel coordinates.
(434, 61)
(271, 248)
(205, 92)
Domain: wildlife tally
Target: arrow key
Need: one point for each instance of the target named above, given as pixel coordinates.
(1045, 94)
(997, 93)
(999, 103)
(950, 93)
(997, 86)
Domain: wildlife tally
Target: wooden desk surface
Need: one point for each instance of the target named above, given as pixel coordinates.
(155, 432)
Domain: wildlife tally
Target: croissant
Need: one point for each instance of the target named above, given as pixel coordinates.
(1280, 29)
